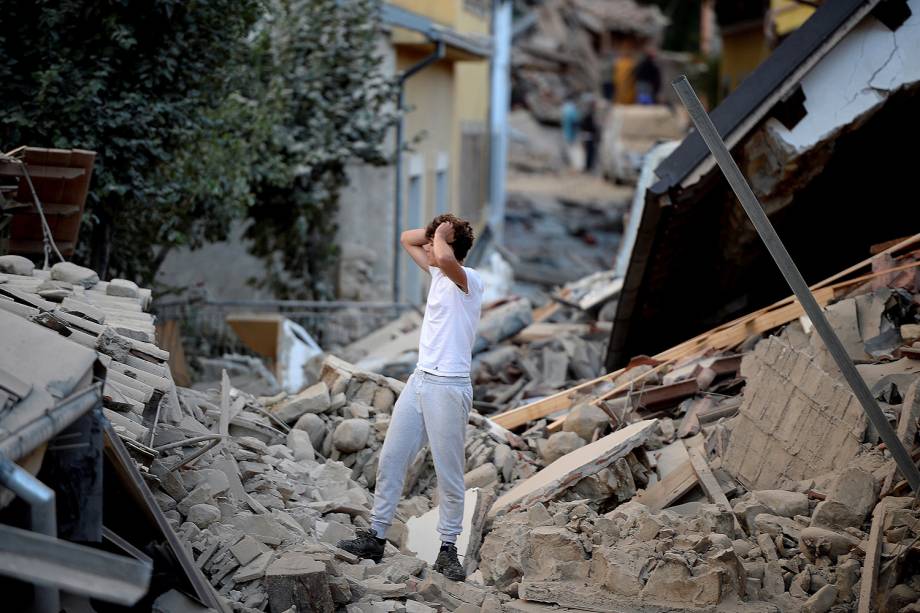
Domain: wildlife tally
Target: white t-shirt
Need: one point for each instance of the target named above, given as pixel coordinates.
(449, 328)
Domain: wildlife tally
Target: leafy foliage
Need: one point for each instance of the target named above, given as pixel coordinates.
(202, 113)
(320, 70)
(145, 85)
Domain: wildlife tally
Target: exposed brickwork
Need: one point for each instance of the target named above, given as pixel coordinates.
(795, 421)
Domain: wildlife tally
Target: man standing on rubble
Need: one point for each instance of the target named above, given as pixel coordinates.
(434, 406)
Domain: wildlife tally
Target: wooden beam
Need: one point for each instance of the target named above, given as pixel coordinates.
(711, 484)
(723, 336)
(563, 400)
(867, 584)
(671, 488)
(550, 404)
(42, 172)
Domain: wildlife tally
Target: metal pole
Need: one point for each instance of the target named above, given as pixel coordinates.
(439, 52)
(794, 278)
(498, 114)
(40, 499)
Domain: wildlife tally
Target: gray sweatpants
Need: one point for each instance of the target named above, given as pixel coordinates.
(433, 410)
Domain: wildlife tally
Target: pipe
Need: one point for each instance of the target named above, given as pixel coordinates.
(415, 68)
(42, 429)
(793, 277)
(43, 517)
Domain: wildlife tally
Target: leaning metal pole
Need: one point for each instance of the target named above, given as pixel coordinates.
(794, 278)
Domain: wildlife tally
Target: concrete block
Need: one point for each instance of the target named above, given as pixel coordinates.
(314, 399)
(297, 580)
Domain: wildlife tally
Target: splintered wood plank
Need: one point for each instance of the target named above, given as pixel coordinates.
(672, 487)
(710, 484)
(867, 584)
(550, 404)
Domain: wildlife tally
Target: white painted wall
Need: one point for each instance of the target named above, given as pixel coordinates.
(855, 77)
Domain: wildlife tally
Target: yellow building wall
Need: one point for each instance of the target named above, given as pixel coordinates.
(742, 52)
(443, 99)
(442, 11)
(789, 15)
(471, 110)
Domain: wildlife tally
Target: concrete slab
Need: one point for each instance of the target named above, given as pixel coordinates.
(571, 468)
(423, 538)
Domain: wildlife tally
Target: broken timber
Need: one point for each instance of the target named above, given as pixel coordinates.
(711, 485)
(794, 278)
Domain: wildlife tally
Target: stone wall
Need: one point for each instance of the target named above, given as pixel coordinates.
(796, 421)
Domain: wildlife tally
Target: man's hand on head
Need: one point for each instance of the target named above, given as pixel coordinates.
(446, 232)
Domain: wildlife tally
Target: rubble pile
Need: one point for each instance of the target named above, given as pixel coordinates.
(735, 471)
(556, 57)
(767, 488)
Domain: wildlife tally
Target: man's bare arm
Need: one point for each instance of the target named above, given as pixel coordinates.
(444, 255)
(412, 241)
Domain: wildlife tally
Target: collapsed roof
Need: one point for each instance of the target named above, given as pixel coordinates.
(800, 126)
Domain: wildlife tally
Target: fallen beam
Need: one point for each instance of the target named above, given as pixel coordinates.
(575, 466)
(77, 569)
(670, 489)
(711, 485)
(867, 585)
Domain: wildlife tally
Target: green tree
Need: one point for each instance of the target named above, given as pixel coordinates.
(147, 85)
(319, 70)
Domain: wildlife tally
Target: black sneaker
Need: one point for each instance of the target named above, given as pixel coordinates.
(365, 545)
(448, 565)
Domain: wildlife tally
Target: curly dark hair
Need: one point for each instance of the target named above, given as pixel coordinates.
(463, 234)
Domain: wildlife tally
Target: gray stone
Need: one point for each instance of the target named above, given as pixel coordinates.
(78, 275)
(300, 444)
(203, 515)
(337, 401)
(297, 580)
(200, 495)
(351, 435)
(413, 606)
(254, 569)
(773, 583)
(356, 410)
(835, 515)
(217, 480)
(821, 601)
(247, 550)
(584, 419)
(16, 265)
(384, 399)
(783, 503)
(856, 488)
(122, 287)
(503, 458)
(848, 573)
(480, 476)
(313, 425)
(560, 444)
(314, 399)
(747, 510)
(816, 542)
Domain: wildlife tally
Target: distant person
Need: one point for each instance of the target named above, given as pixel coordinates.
(570, 118)
(624, 79)
(590, 133)
(648, 79)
